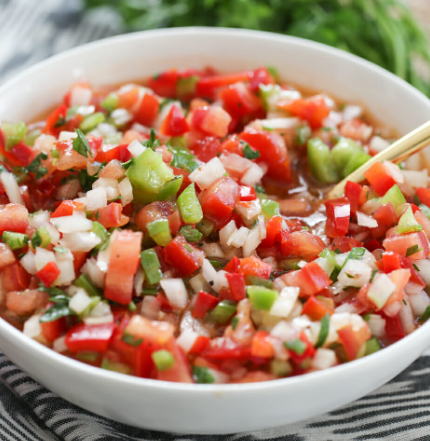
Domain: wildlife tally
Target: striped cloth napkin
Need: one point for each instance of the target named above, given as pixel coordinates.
(31, 30)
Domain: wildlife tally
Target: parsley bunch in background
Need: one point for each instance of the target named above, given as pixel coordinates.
(382, 31)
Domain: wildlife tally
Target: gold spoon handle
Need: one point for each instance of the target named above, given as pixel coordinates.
(411, 143)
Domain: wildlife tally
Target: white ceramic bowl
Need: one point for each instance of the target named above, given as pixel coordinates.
(210, 409)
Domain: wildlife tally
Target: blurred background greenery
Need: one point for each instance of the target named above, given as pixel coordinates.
(385, 32)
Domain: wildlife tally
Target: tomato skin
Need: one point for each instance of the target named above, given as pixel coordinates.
(400, 243)
(252, 266)
(353, 340)
(124, 261)
(205, 148)
(204, 303)
(353, 194)
(164, 84)
(175, 123)
(424, 195)
(260, 76)
(345, 244)
(55, 329)
(14, 278)
(273, 231)
(177, 256)
(148, 110)
(95, 338)
(220, 349)
(233, 266)
(48, 273)
(66, 208)
(379, 178)
(338, 214)
(53, 118)
(236, 282)
(200, 344)
(79, 258)
(247, 193)
(314, 110)
(208, 86)
(232, 145)
(390, 262)
(6, 256)
(272, 151)
(372, 245)
(218, 200)
(13, 217)
(386, 218)
(110, 216)
(301, 243)
(261, 346)
(317, 308)
(239, 100)
(393, 328)
(175, 222)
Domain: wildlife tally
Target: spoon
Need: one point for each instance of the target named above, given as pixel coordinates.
(411, 143)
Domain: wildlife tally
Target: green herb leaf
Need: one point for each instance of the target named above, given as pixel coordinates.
(152, 142)
(416, 268)
(373, 275)
(202, 375)
(55, 312)
(131, 340)
(412, 250)
(80, 144)
(325, 326)
(234, 323)
(36, 167)
(249, 153)
(298, 346)
(183, 159)
(259, 189)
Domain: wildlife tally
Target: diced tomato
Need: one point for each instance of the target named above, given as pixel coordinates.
(236, 282)
(53, 122)
(211, 120)
(252, 266)
(218, 200)
(379, 178)
(424, 195)
(109, 154)
(273, 230)
(6, 256)
(26, 302)
(205, 148)
(390, 262)
(353, 193)
(318, 307)
(14, 278)
(232, 145)
(314, 110)
(309, 352)
(239, 99)
(302, 244)
(23, 153)
(177, 254)
(393, 328)
(413, 244)
(86, 338)
(55, 329)
(386, 218)
(48, 273)
(372, 245)
(261, 345)
(175, 123)
(226, 349)
(345, 244)
(79, 258)
(260, 76)
(232, 266)
(111, 216)
(338, 214)
(66, 208)
(208, 86)
(175, 222)
(422, 219)
(353, 339)
(400, 278)
(124, 261)
(273, 152)
(148, 110)
(200, 344)
(204, 303)
(247, 193)
(164, 84)
(180, 372)
(13, 217)
(416, 283)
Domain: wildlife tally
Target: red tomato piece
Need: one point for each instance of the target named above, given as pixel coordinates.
(164, 84)
(79, 258)
(208, 86)
(353, 194)
(110, 216)
(233, 266)
(393, 328)
(260, 76)
(386, 218)
(220, 349)
(352, 340)
(175, 123)
(13, 217)
(317, 307)
(55, 329)
(314, 110)
(204, 303)
(48, 273)
(239, 100)
(261, 346)
(84, 338)
(26, 302)
(66, 208)
(236, 282)
(345, 244)
(302, 244)
(14, 278)
(177, 255)
(124, 261)
(232, 145)
(309, 352)
(252, 266)
(247, 193)
(379, 178)
(422, 219)
(211, 120)
(338, 214)
(218, 200)
(6, 256)
(424, 195)
(148, 110)
(200, 344)
(372, 245)
(52, 126)
(175, 222)
(413, 244)
(273, 152)
(205, 148)
(273, 231)
(390, 262)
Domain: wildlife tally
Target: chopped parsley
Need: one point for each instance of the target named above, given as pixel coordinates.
(412, 250)
(152, 142)
(202, 375)
(325, 326)
(80, 144)
(183, 159)
(249, 153)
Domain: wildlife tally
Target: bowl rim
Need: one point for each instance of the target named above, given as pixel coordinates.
(95, 372)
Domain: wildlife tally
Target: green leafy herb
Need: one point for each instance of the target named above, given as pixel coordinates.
(130, 340)
(132, 306)
(60, 308)
(325, 326)
(202, 375)
(298, 346)
(127, 164)
(80, 144)
(259, 189)
(36, 167)
(412, 250)
(416, 268)
(234, 323)
(190, 233)
(86, 180)
(404, 302)
(373, 275)
(248, 153)
(183, 159)
(217, 264)
(425, 315)
(152, 142)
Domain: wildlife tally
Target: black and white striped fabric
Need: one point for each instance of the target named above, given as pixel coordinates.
(31, 30)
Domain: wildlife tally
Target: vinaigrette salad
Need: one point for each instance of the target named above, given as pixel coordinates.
(177, 229)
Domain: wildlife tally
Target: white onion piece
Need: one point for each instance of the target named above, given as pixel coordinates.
(106, 129)
(80, 241)
(416, 178)
(44, 143)
(175, 292)
(89, 320)
(407, 317)
(136, 148)
(366, 221)
(424, 267)
(28, 263)
(235, 163)
(218, 376)
(280, 123)
(59, 345)
(347, 307)
(340, 259)
(210, 275)
(252, 175)
(111, 193)
(252, 242)
(378, 144)
(226, 232)
(325, 264)
(187, 339)
(370, 206)
(96, 199)
(355, 273)
(284, 331)
(284, 304)
(164, 112)
(139, 280)
(80, 302)
(121, 117)
(32, 327)
(71, 224)
(238, 238)
(95, 274)
(381, 290)
(126, 191)
(205, 175)
(419, 303)
(80, 96)
(67, 136)
(222, 279)
(150, 308)
(38, 219)
(101, 309)
(213, 250)
(324, 358)
(376, 325)
(394, 171)
(393, 309)
(11, 188)
(198, 283)
(250, 211)
(67, 273)
(42, 257)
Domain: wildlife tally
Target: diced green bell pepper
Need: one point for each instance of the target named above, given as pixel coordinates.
(90, 122)
(270, 208)
(223, 312)
(258, 281)
(159, 230)
(343, 151)
(151, 266)
(171, 188)
(163, 359)
(205, 227)
(101, 232)
(15, 241)
(110, 103)
(13, 133)
(115, 366)
(187, 86)
(191, 234)
(395, 196)
(372, 346)
(321, 162)
(408, 223)
(189, 206)
(281, 368)
(356, 161)
(261, 298)
(425, 210)
(303, 134)
(31, 136)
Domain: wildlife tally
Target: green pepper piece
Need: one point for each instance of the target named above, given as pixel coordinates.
(31, 136)
(163, 359)
(110, 103)
(159, 230)
(372, 346)
(85, 283)
(187, 86)
(41, 238)
(425, 210)
(258, 281)
(115, 366)
(261, 298)
(343, 151)
(171, 188)
(270, 208)
(395, 196)
(321, 162)
(151, 266)
(189, 206)
(205, 227)
(13, 133)
(90, 122)
(356, 161)
(223, 312)
(408, 223)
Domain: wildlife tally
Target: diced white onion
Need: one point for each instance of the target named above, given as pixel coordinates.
(238, 238)
(250, 211)
(252, 242)
(340, 259)
(96, 199)
(67, 136)
(38, 219)
(226, 232)
(59, 345)
(325, 264)
(208, 173)
(95, 274)
(284, 331)
(252, 175)
(67, 273)
(378, 144)
(355, 273)
(419, 303)
(138, 281)
(347, 307)
(394, 171)
(108, 318)
(198, 283)
(407, 317)
(80, 241)
(416, 178)
(136, 148)
(213, 250)
(324, 358)
(210, 275)
(285, 302)
(126, 191)
(100, 310)
(187, 339)
(366, 221)
(235, 163)
(280, 123)
(71, 224)
(175, 292)
(28, 262)
(424, 269)
(42, 257)
(121, 117)
(111, 193)
(103, 258)
(80, 96)
(381, 290)
(376, 325)
(222, 279)
(150, 308)
(218, 376)
(80, 301)
(32, 327)
(11, 188)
